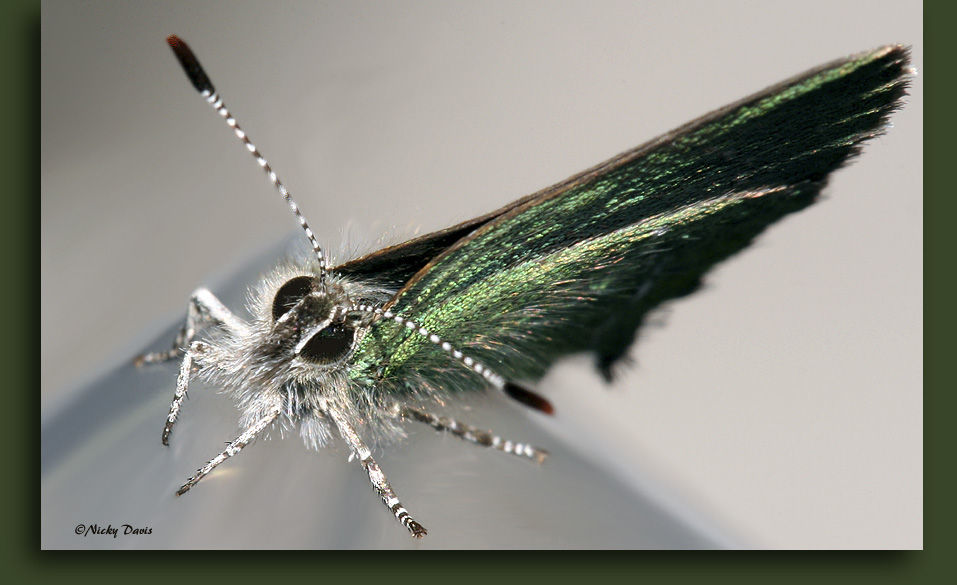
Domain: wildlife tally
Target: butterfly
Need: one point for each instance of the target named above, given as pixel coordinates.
(359, 349)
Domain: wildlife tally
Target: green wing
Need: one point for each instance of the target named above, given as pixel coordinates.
(577, 267)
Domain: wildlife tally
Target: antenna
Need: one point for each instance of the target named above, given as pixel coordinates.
(512, 390)
(196, 74)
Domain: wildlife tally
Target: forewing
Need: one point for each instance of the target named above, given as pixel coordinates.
(576, 267)
(395, 265)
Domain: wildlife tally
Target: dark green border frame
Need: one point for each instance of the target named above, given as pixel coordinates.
(19, 236)
(20, 555)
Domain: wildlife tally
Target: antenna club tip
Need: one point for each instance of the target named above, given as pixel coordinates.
(528, 398)
(190, 64)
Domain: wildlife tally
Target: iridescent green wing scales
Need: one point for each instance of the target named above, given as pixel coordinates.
(577, 267)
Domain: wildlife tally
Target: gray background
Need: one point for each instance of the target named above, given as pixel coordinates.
(780, 407)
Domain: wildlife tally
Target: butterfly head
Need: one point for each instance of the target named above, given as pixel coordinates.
(315, 321)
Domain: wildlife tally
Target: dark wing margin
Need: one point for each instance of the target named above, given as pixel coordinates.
(395, 265)
(578, 266)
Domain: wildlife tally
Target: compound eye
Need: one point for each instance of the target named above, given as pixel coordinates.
(290, 294)
(329, 345)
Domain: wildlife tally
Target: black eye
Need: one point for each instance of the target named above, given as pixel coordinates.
(291, 293)
(329, 345)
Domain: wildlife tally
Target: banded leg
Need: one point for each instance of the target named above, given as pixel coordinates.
(203, 309)
(472, 434)
(376, 476)
(196, 350)
(234, 447)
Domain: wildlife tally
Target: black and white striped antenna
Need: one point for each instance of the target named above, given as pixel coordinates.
(511, 389)
(196, 74)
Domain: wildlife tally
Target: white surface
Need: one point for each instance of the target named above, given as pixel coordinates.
(784, 401)
(103, 465)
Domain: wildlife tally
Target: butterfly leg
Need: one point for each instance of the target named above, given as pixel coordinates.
(203, 309)
(472, 434)
(194, 353)
(376, 476)
(232, 448)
